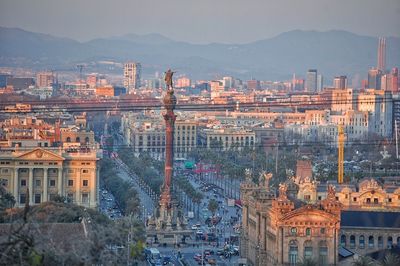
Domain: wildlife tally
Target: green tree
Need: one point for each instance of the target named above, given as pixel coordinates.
(363, 261)
(59, 198)
(137, 250)
(390, 259)
(212, 206)
(7, 200)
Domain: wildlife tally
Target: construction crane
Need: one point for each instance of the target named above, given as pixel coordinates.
(341, 139)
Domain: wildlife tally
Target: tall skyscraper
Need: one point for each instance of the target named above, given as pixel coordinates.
(340, 82)
(374, 79)
(395, 79)
(382, 54)
(320, 82)
(44, 79)
(311, 80)
(132, 75)
(228, 82)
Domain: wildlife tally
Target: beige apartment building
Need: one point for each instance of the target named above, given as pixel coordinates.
(147, 134)
(227, 138)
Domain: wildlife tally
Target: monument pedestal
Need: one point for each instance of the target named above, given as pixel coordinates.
(168, 227)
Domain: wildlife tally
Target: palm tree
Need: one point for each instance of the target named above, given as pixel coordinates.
(363, 261)
(390, 259)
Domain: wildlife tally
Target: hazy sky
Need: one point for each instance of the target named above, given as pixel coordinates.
(200, 21)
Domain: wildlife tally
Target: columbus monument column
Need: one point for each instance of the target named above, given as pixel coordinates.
(169, 117)
(168, 224)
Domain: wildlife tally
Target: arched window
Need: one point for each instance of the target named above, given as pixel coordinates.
(343, 240)
(380, 242)
(293, 253)
(361, 241)
(308, 250)
(323, 253)
(398, 241)
(78, 139)
(308, 231)
(68, 139)
(389, 242)
(352, 241)
(293, 231)
(371, 241)
(87, 140)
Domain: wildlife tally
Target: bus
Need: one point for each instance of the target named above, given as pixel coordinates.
(153, 256)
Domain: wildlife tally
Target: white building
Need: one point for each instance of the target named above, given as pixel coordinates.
(132, 75)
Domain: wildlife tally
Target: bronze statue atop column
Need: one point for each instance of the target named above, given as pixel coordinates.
(168, 79)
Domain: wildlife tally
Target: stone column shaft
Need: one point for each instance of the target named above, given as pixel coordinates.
(30, 182)
(78, 187)
(92, 186)
(45, 184)
(15, 185)
(59, 181)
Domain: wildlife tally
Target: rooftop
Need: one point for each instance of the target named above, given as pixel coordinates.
(370, 219)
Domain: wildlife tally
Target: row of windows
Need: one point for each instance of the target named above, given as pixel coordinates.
(52, 182)
(371, 241)
(38, 198)
(308, 253)
(4, 162)
(293, 231)
(85, 171)
(85, 183)
(184, 127)
(78, 139)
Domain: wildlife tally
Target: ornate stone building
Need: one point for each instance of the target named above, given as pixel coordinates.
(282, 231)
(48, 172)
(368, 194)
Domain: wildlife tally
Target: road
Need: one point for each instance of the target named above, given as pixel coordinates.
(147, 197)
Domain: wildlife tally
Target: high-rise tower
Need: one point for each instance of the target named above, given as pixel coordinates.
(132, 75)
(311, 80)
(395, 80)
(381, 54)
(374, 79)
(340, 82)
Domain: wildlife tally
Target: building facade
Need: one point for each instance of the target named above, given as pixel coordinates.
(39, 175)
(146, 133)
(277, 231)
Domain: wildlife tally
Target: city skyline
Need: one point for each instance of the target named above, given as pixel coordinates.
(204, 22)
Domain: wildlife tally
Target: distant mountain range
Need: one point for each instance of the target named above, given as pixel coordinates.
(332, 53)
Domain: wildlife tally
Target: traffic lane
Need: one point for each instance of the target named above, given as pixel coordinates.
(145, 199)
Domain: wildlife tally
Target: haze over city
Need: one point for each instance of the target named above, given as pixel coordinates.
(207, 21)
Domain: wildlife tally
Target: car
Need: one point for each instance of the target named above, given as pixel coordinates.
(208, 252)
(199, 232)
(194, 227)
(220, 252)
(212, 261)
(197, 257)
